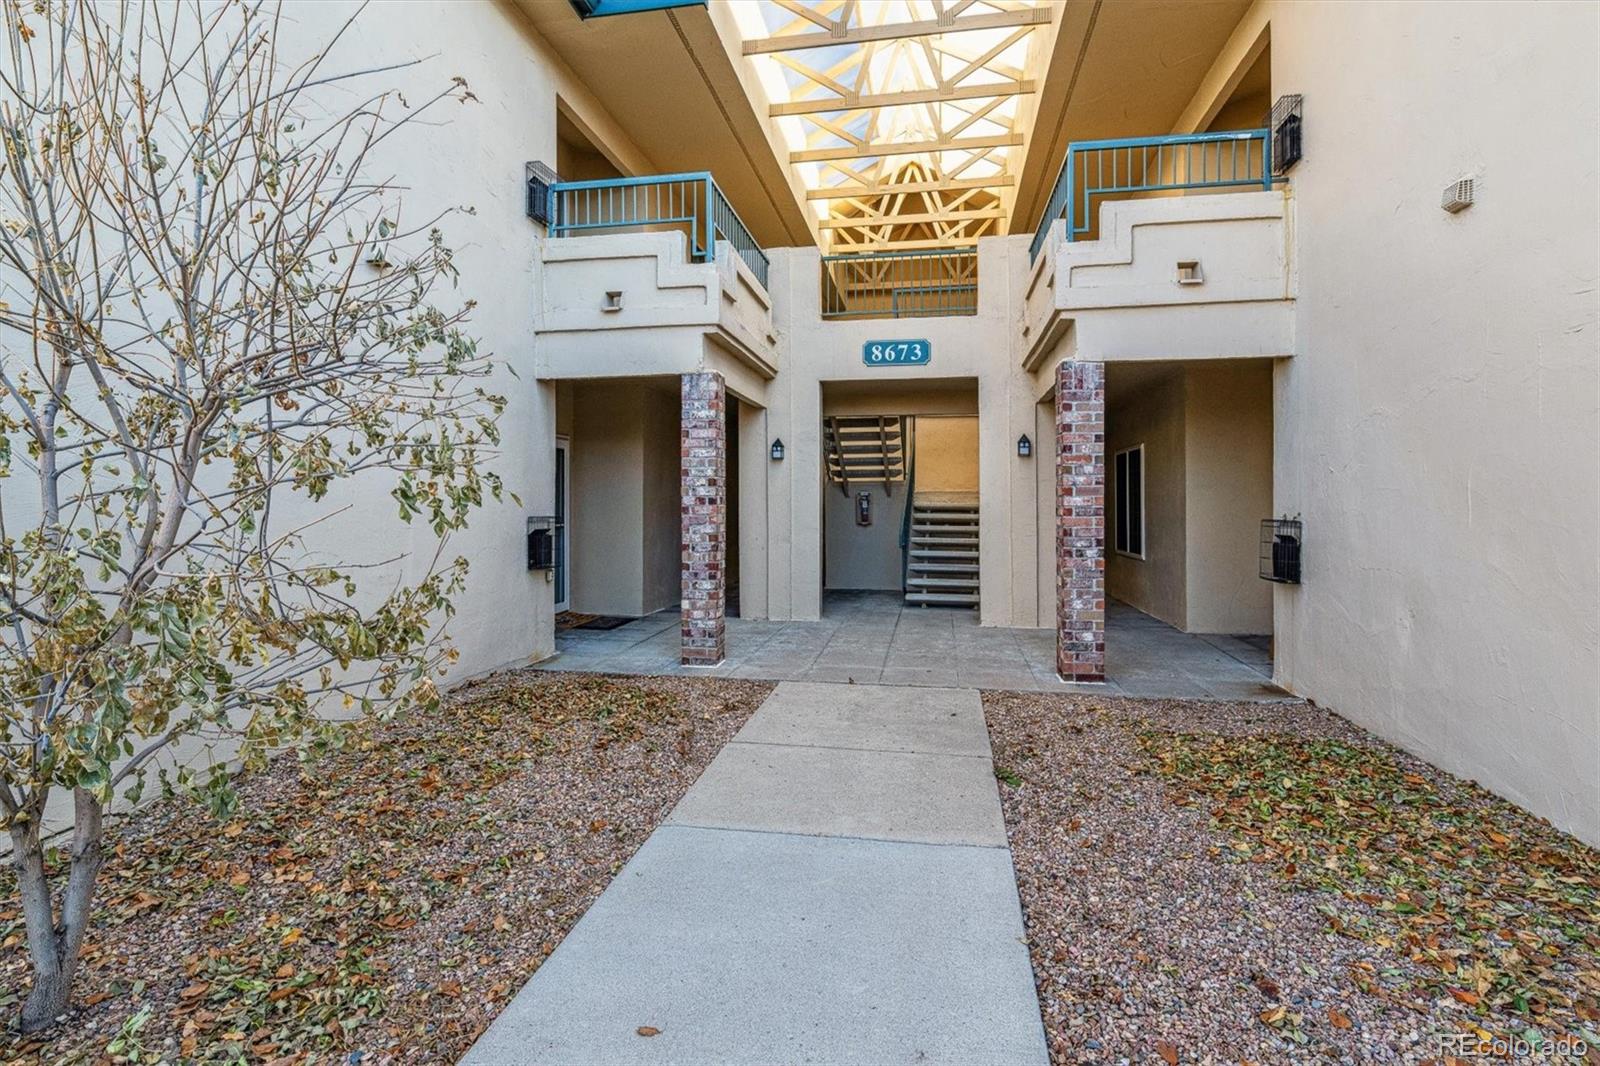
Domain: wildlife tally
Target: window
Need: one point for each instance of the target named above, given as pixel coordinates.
(1130, 502)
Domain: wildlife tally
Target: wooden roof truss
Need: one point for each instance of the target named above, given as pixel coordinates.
(911, 113)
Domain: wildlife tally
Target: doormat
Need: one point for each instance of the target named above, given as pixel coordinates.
(603, 621)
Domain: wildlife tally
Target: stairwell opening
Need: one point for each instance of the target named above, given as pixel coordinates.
(900, 491)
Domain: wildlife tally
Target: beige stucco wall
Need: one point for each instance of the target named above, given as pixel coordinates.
(1440, 428)
(947, 454)
(625, 495)
(863, 557)
(661, 525)
(456, 159)
(1228, 491)
(607, 499)
(468, 155)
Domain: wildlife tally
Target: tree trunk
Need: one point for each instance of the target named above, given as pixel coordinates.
(53, 945)
(46, 1001)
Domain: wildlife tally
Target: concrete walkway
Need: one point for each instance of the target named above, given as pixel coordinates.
(873, 638)
(836, 888)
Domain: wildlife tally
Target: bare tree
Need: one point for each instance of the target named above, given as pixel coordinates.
(211, 319)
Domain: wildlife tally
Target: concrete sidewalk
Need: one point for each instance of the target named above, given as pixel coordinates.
(835, 888)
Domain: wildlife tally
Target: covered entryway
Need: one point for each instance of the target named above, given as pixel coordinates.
(875, 638)
(649, 523)
(1163, 479)
(900, 497)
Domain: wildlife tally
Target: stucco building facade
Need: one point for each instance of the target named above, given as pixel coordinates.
(1119, 380)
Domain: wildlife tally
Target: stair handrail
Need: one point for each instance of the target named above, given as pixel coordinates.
(907, 431)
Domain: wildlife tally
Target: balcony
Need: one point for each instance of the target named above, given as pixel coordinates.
(1136, 167)
(1163, 248)
(687, 203)
(638, 274)
(916, 284)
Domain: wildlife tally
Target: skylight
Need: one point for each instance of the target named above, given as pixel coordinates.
(903, 118)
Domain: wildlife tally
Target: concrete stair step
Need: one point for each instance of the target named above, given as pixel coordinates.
(937, 584)
(942, 568)
(960, 500)
(943, 599)
(943, 553)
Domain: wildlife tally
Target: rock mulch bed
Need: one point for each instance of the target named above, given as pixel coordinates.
(1213, 882)
(384, 902)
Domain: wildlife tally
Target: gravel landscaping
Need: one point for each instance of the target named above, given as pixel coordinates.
(383, 902)
(1216, 882)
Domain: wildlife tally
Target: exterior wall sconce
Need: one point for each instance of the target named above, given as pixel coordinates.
(1024, 447)
(777, 449)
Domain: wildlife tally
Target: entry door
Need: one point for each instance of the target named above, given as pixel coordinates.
(563, 508)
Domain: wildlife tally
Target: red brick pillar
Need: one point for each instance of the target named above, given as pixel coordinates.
(704, 452)
(1081, 521)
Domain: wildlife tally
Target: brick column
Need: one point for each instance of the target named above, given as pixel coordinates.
(1081, 521)
(704, 453)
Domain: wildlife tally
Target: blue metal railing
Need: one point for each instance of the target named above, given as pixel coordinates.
(935, 282)
(1094, 170)
(690, 203)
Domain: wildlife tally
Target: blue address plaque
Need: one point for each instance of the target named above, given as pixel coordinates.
(897, 353)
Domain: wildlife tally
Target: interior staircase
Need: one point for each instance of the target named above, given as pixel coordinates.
(942, 554)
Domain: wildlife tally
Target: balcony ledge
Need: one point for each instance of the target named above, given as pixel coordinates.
(1243, 243)
(668, 305)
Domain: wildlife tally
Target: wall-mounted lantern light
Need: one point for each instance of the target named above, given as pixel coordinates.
(777, 449)
(1024, 447)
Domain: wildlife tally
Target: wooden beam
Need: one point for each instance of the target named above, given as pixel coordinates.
(870, 221)
(881, 148)
(1037, 16)
(917, 96)
(902, 246)
(851, 192)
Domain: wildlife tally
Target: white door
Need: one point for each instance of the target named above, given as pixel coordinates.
(563, 509)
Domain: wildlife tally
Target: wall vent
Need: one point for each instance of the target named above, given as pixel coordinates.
(1457, 195)
(540, 177)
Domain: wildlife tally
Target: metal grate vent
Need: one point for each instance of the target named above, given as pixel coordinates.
(540, 177)
(1285, 126)
(1457, 195)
